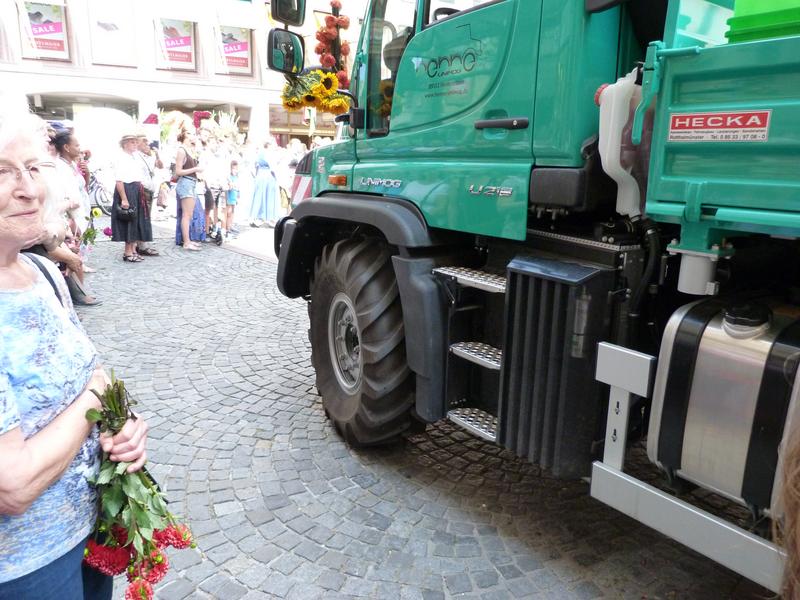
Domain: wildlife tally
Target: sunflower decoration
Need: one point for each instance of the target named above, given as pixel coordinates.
(382, 101)
(328, 84)
(319, 86)
(315, 88)
(292, 103)
(337, 105)
(309, 99)
(386, 87)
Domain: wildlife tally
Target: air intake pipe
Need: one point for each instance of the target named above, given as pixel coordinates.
(652, 240)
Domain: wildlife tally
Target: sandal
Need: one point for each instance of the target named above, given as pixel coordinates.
(132, 258)
(192, 248)
(87, 301)
(148, 252)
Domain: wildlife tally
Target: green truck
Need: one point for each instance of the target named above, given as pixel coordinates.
(568, 226)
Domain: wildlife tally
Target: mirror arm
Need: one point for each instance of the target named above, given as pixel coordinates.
(349, 95)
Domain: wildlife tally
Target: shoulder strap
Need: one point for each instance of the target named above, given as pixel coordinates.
(35, 260)
(147, 166)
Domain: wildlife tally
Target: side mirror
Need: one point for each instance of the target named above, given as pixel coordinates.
(285, 51)
(358, 118)
(291, 12)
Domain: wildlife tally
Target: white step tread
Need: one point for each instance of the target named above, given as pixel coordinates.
(476, 421)
(482, 280)
(479, 353)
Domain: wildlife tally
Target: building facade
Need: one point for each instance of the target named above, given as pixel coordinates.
(140, 56)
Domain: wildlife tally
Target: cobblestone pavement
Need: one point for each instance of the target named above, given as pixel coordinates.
(282, 508)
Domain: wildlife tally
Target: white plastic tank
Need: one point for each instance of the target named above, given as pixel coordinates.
(617, 103)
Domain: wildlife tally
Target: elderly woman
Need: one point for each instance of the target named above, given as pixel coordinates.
(130, 212)
(48, 371)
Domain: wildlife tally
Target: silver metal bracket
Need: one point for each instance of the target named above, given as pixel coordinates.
(628, 373)
(631, 373)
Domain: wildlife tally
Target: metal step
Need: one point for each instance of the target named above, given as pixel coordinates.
(478, 353)
(482, 280)
(476, 421)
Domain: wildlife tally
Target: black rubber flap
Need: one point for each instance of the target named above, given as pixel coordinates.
(770, 416)
(679, 381)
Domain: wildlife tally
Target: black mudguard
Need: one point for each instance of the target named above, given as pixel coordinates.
(300, 237)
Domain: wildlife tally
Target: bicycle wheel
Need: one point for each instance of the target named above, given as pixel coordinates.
(101, 199)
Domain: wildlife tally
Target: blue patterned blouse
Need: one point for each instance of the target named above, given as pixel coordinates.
(46, 359)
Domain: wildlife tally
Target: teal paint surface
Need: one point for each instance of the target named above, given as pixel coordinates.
(452, 74)
(536, 59)
(715, 188)
(577, 54)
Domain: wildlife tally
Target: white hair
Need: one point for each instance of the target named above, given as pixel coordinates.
(17, 121)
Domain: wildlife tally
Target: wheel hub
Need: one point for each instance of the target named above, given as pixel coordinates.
(344, 343)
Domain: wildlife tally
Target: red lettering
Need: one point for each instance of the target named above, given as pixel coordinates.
(680, 122)
(723, 120)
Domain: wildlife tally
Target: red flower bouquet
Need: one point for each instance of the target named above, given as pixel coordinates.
(134, 525)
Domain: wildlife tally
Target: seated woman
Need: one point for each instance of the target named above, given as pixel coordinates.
(48, 372)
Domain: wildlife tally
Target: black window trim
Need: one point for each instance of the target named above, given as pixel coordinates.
(427, 13)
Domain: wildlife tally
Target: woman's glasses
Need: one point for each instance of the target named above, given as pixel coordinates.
(10, 174)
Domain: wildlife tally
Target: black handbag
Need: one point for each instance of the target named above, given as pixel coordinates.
(126, 214)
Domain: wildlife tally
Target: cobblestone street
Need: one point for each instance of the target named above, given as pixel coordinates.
(219, 363)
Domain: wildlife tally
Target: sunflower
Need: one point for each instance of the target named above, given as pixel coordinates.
(385, 109)
(330, 83)
(96, 213)
(386, 88)
(309, 99)
(292, 103)
(337, 105)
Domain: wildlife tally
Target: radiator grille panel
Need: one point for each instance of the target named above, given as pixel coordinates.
(549, 401)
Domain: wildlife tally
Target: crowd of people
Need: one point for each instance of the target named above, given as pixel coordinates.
(209, 177)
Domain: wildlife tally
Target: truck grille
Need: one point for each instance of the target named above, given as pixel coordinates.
(550, 403)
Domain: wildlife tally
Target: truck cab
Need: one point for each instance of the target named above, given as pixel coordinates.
(568, 226)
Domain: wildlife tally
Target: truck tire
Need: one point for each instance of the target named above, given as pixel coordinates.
(358, 342)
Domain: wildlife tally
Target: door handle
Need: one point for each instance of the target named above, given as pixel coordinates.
(504, 123)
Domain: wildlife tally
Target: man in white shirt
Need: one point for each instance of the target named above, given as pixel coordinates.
(149, 162)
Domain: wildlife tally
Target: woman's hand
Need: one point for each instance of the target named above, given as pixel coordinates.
(74, 263)
(128, 445)
(124, 203)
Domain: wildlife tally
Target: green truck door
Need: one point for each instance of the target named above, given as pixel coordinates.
(424, 94)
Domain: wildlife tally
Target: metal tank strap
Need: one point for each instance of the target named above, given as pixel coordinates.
(679, 381)
(770, 416)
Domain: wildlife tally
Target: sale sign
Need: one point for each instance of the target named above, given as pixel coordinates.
(178, 41)
(236, 50)
(48, 30)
